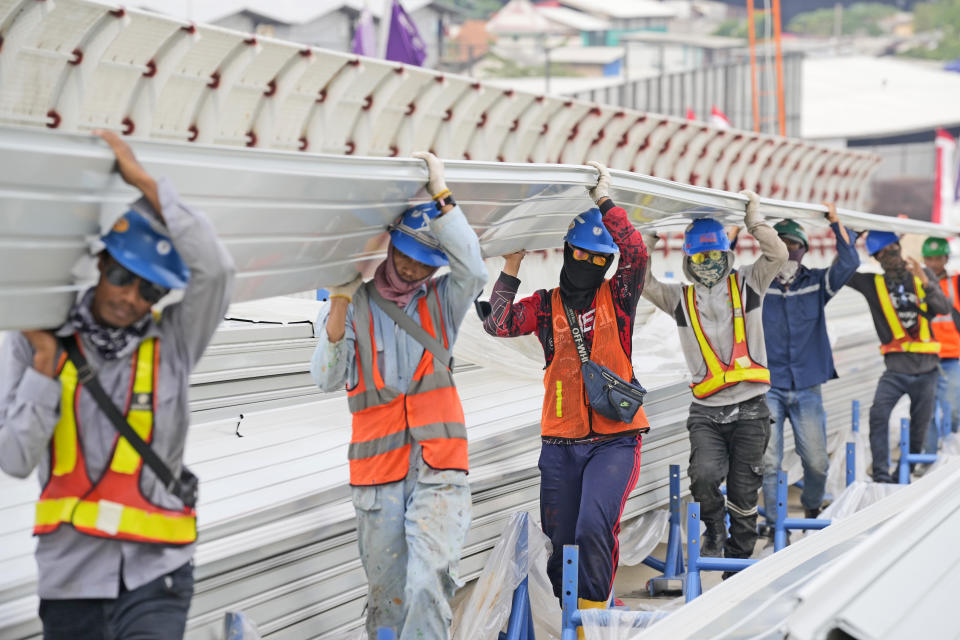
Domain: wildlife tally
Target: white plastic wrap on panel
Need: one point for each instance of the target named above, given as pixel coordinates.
(196, 74)
(376, 129)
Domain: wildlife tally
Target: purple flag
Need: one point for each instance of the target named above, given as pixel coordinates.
(364, 38)
(404, 43)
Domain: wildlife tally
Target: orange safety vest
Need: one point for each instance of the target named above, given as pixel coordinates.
(944, 329)
(566, 410)
(741, 366)
(114, 507)
(386, 421)
(902, 341)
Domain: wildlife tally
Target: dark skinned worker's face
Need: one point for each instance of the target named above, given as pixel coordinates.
(117, 306)
(409, 269)
(937, 264)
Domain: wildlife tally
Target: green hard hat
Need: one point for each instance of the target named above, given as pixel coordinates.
(935, 247)
(793, 230)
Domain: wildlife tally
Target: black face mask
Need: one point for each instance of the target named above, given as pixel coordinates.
(579, 280)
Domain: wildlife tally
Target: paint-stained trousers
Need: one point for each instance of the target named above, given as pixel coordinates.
(410, 534)
(583, 488)
(727, 443)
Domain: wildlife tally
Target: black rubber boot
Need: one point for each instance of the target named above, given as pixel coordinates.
(811, 514)
(713, 540)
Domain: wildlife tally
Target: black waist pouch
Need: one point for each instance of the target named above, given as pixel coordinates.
(610, 395)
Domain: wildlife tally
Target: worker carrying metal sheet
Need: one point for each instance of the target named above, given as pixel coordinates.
(946, 331)
(800, 358)
(116, 519)
(720, 318)
(903, 301)
(390, 341)
(590, 456)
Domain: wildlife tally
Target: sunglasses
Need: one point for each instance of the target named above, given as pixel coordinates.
(120, 276)
(580, 255)
(699, 258)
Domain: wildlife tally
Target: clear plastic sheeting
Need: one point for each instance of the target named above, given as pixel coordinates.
(858, 496)
(639, 537)
(616, 624)
(239, 626)
(521, 552)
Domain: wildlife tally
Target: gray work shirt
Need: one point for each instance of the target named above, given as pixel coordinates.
(73, 564)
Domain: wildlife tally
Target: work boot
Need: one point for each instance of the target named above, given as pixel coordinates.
(713, 540)
(811, 514)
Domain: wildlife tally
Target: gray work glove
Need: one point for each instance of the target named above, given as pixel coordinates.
(602, 190)
(753, 216)
(435, 183)
(651, 240)
(347, 289)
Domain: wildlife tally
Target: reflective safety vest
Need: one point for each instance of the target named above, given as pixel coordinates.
(387, 421)
(944, 329)
(741, 366)
(566, 410)
(114, 507)
(902, 341)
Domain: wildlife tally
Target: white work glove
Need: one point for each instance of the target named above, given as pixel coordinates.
(602, 190)
(347, 289)
(753, 216)
(435, 183)
(651, 240)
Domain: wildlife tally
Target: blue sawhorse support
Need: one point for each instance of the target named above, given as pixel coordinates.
(671, 567)
(386, 634)
(520, 624)
(696, 563)
(851, 463)
(783, 523)
(906, 458)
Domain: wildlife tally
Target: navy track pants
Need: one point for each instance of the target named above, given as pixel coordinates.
(583, 489)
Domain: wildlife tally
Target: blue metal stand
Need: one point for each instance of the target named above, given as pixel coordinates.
(783, 523)
(696, 563)
(906, 458)
(520, 624)
(386, 634)
(571, 614)
(855, 417)
(851, 463)
(671, 567)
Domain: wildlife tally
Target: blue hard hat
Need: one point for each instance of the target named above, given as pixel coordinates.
(705, 234)
(877, 240)
(412, 236)
(587, 232)
(137, 246)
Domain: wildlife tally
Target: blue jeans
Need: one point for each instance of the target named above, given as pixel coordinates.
(410, 534)
(921, 389)
(804, 408)
(155, 611)
(948, 401)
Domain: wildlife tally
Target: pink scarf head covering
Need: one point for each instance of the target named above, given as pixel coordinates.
(391, 286)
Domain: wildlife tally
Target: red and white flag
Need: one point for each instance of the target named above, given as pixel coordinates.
(944, 191)
(719, 118)
(690, 114)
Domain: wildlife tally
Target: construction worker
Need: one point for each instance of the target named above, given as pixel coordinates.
(588, 461)
(721, 331)
(800, 359)
(389, 340)
(903, 302)
(114, 544)
(936, 253)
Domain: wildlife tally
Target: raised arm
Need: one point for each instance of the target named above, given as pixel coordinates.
(773, 253)
(664, 296)
(847, 260)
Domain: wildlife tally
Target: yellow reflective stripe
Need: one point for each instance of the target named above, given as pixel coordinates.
(891, 316)
(739, 330)
(137, 522)
(54, 511)
(126, 460)
(753, 374)
(709, 357)
(559, 399)
(65, 432)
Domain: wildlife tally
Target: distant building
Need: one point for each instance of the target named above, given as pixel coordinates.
(329, 25)
(627, 16)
